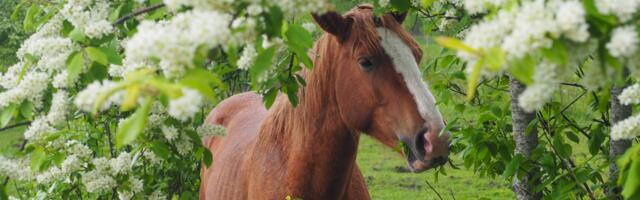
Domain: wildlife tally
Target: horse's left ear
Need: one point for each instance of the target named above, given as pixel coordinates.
(400, 17)
(334, 24)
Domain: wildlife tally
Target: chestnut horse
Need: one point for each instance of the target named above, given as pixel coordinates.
(365, 79)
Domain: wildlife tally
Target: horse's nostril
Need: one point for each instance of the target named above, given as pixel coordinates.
(439, 161)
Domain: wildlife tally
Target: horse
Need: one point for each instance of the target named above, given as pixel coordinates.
(365, 79)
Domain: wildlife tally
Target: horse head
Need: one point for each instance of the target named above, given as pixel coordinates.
(378, 86)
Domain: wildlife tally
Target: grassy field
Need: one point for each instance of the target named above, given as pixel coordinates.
(380, 165)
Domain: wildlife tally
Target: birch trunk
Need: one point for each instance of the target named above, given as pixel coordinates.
(618, 113)
(525, 142)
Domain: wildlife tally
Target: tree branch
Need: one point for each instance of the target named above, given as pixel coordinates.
(15, 125)
(138, 12)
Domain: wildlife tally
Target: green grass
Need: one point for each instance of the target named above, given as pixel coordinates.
(380, 165)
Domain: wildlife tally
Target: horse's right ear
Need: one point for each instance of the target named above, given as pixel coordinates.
(334, 24)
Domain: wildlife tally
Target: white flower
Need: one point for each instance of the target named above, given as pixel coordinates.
(186, 106)
(59, 106)
(136, 184)
(37, 129)
(97, 181)
(184, 145)
(87, 18)
(170, 133)
(383, 3)
(624, 42)
(85, 99)
(623, 9)
(51, 52)
(537, 94)
(125, 195)
(30, 88)
(309, 26)
(630, 95)
(61, 80)
(152, 158)
(247, 58)
(51, 175)
(76, 148)
(71, 164)
(626, 129)
(175, 41)
(211, 130)
(157, 195)
(121, 164)
(16, 169)
(534, 21)
(571, 20)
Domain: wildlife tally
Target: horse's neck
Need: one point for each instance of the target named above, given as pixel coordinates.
(317, 148)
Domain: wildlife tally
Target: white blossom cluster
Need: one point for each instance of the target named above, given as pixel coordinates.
(247, 58)
(630, 127)
(88, 16)
(624, 42)
(538, 93)
(623, 9)
(206, 130)
(86, 98)
(526, 27)
(626, 129)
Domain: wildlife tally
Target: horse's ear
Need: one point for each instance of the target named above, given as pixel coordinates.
(334, 24)
(400, 17)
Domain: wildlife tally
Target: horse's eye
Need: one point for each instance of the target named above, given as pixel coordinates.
(365, 63)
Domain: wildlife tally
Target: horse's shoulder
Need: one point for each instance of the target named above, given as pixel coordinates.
(234, 105)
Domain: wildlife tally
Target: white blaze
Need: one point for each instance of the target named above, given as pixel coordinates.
(405, 64)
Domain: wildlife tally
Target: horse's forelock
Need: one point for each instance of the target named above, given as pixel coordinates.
(363, 33)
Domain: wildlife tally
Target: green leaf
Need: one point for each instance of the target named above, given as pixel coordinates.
(474, 78)
(455, 44)
(299, 40)
(400, 5)
(7, 114)
(200, 56)
(26, 109)
(523, 69)
(78, 36)
(29, 23)
(513, 166)
(75, 64)
(270, 97)
(207, 158)
(273, 21)
(557, 53)
(572, 136)
(262, 62)
(201, 80)
(112, 55)
(631, 186)
(495, 59)
(161, 149)
(96, 55)
(38, 157)
(130, 129)
(16, 11)
(131, 98)
(597, 138)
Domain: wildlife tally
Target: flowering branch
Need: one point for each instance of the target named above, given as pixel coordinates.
(138, 12)
(15, 125)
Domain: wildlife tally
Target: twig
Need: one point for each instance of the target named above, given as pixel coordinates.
(15, 125)
(434, 189)
(138, 12)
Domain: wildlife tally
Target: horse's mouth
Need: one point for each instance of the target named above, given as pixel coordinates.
(415, 153)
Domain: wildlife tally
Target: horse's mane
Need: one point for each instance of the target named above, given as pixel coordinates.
(285, 121)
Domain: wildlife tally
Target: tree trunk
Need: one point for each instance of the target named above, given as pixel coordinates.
(525, 142)
(618, 113)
